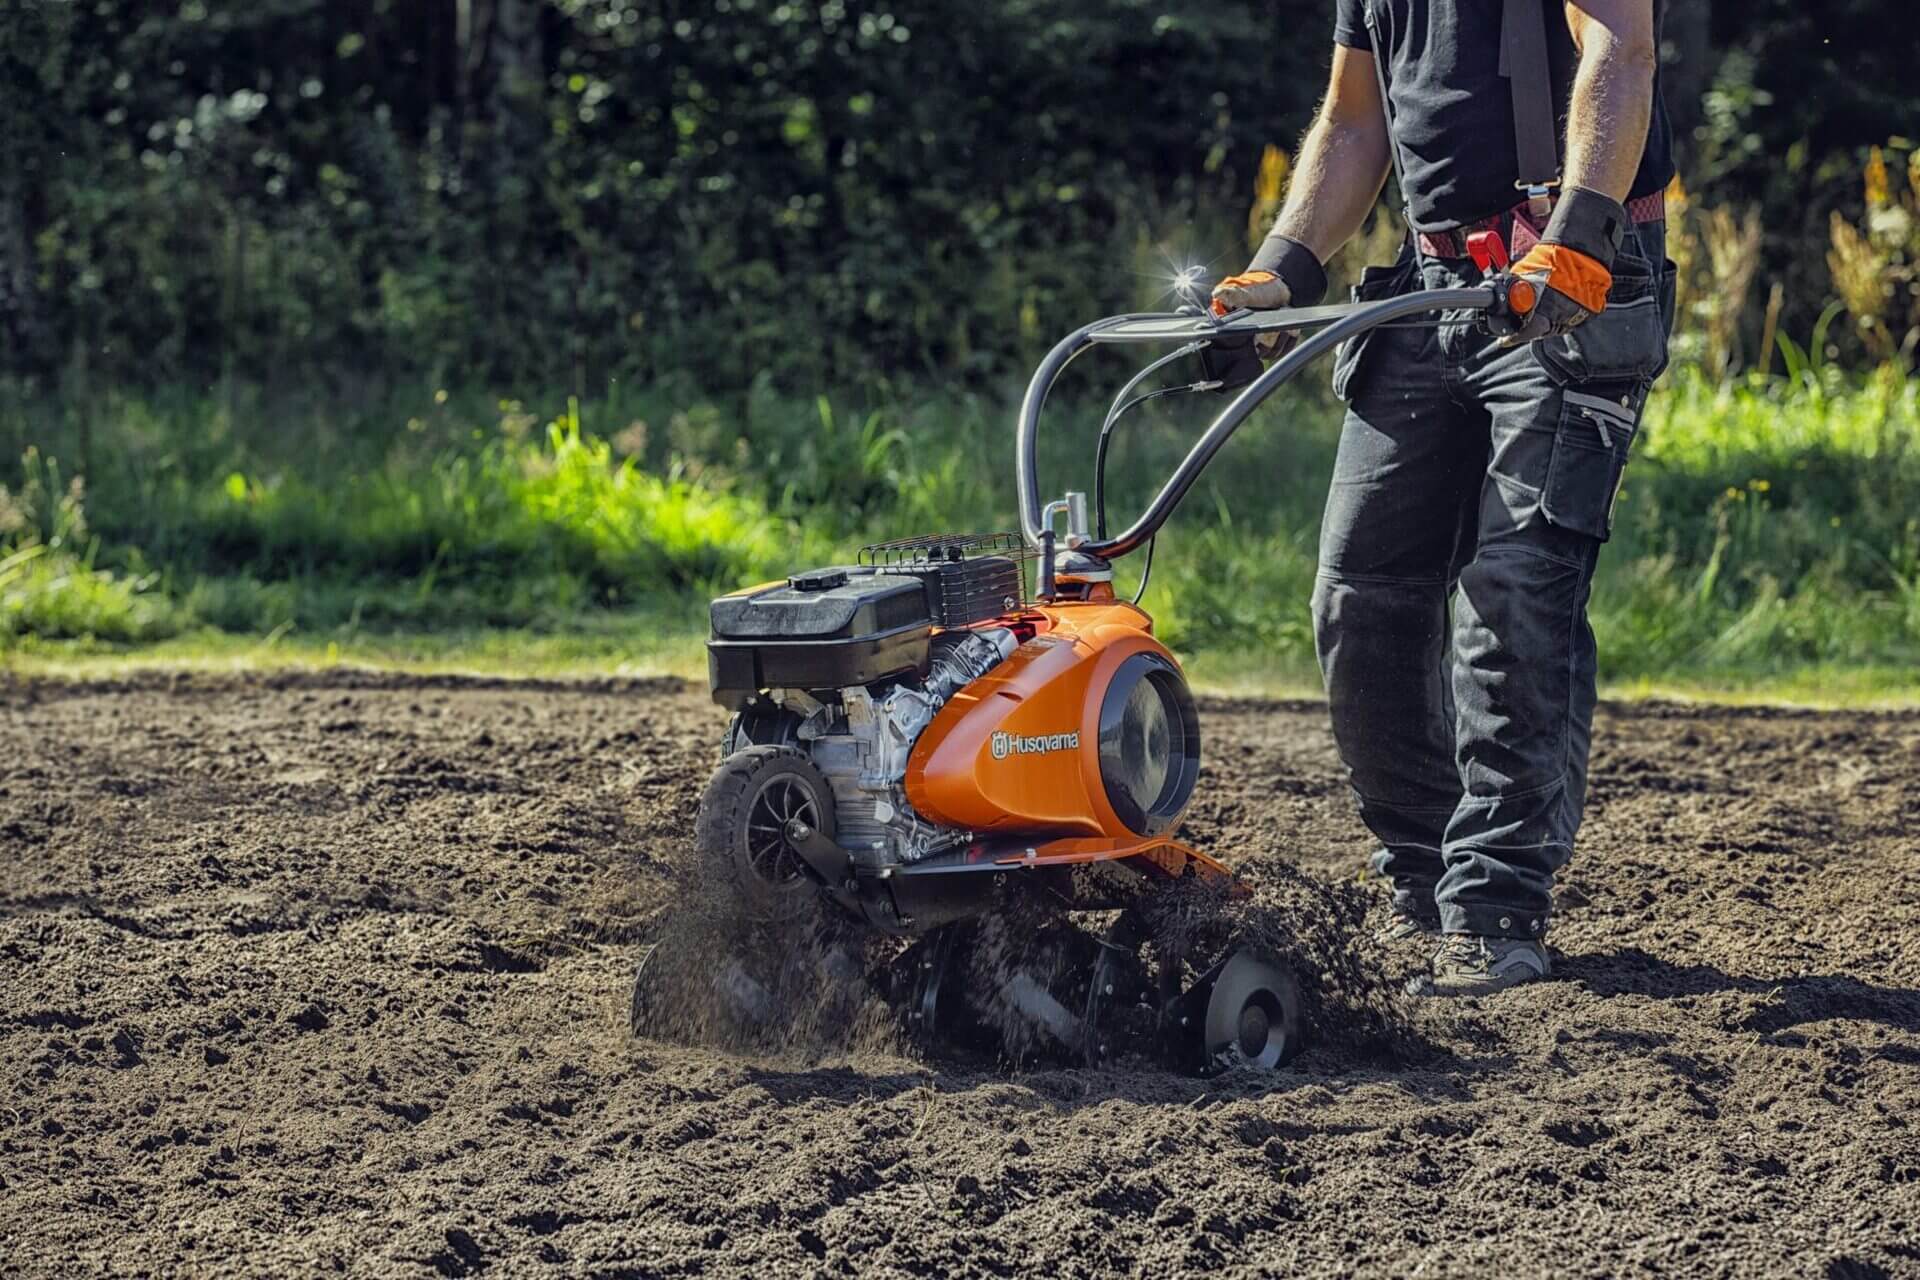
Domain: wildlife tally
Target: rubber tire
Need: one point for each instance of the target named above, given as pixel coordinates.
(721, 837)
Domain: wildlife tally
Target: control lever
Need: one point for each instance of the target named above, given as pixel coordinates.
(1514, 297)
(1489, 251)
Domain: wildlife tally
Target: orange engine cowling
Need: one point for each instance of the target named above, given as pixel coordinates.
(1087, 729)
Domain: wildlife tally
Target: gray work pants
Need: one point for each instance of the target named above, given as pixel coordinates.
(1471, 495)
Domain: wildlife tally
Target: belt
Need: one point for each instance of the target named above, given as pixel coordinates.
(1521, 232)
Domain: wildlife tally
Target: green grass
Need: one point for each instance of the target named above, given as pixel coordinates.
(643, 644)
(626, 643)
(1764, 546)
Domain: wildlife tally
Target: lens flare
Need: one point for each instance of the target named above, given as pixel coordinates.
(1188, 284)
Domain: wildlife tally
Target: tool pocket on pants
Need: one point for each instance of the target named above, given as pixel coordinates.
(1591, 443)
(1627, 341)
(1376, 284)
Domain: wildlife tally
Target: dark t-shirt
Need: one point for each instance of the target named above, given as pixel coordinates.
(1453, 110)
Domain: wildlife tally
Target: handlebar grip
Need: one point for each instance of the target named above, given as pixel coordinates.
(1514, 298)
(1232, 361)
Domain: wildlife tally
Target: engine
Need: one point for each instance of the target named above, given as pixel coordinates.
(861, 741)
(850, 665)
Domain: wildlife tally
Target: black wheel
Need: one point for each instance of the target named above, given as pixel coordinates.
(1226, 998)
(926, 979)
(744, 816)
(1029, 974)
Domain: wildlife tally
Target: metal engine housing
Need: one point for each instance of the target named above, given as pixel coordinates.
(861, 738)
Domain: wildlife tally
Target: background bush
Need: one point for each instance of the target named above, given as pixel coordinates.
(346, 192)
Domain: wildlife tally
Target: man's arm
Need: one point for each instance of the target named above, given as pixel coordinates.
(1343, 165)
(1343, 160)
(1572, 266)
(1612, 93)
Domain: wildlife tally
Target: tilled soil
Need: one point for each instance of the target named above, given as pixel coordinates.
(332, 972)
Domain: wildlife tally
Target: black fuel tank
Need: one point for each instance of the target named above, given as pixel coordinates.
(825, 629)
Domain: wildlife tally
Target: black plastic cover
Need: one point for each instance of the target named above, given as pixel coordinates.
(1149, 743)
(861, 603)
(827, 629)
(849, 625)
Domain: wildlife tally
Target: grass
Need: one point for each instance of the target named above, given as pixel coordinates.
(642, 644)
(609, 644)
(1764, 546)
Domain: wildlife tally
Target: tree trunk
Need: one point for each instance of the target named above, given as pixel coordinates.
(500, 81)
(501, 87)
(21, 329)
(519, 82)
(1688, 69)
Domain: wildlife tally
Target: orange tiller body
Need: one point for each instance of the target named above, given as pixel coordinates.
(1018, 750)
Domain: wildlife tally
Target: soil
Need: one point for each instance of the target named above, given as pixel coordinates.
(332, 972)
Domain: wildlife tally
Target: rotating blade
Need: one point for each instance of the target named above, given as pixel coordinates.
(1252, 1015)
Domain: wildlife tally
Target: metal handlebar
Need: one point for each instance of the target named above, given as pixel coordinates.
(1342, 322)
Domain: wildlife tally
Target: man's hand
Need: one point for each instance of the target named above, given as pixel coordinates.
(1571, 269)
(1284, 273)
(1254, 290)
(1569, 288)
(1257, 291)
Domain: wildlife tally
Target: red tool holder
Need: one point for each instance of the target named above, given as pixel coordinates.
(1488, 250)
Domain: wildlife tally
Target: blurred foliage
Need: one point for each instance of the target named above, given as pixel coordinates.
(344, 192)
(49, 587)
(507, 187)
(237, 240)
(1766, 526)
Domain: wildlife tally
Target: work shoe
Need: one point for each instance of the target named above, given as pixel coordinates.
(1468, 964)
(1404, 926)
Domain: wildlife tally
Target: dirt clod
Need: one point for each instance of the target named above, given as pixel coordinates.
(334, 972)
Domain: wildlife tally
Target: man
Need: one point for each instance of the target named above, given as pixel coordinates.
(1476, 472)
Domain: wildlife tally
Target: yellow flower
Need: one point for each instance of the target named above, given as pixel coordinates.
(1676, 198)
(1272, 179)
(1878, 196)
(1269, 188)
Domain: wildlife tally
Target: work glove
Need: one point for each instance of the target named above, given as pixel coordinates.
(1285, 273)
(1257, 291)
(1567, 275)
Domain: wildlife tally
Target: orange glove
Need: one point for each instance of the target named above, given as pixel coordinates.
(1254, 290)
(1567, 275)
(1569, 288)
(1257, 291)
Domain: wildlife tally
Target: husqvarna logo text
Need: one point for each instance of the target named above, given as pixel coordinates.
(1012, 744)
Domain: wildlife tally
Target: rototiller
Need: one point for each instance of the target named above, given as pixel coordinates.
(945, 756)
